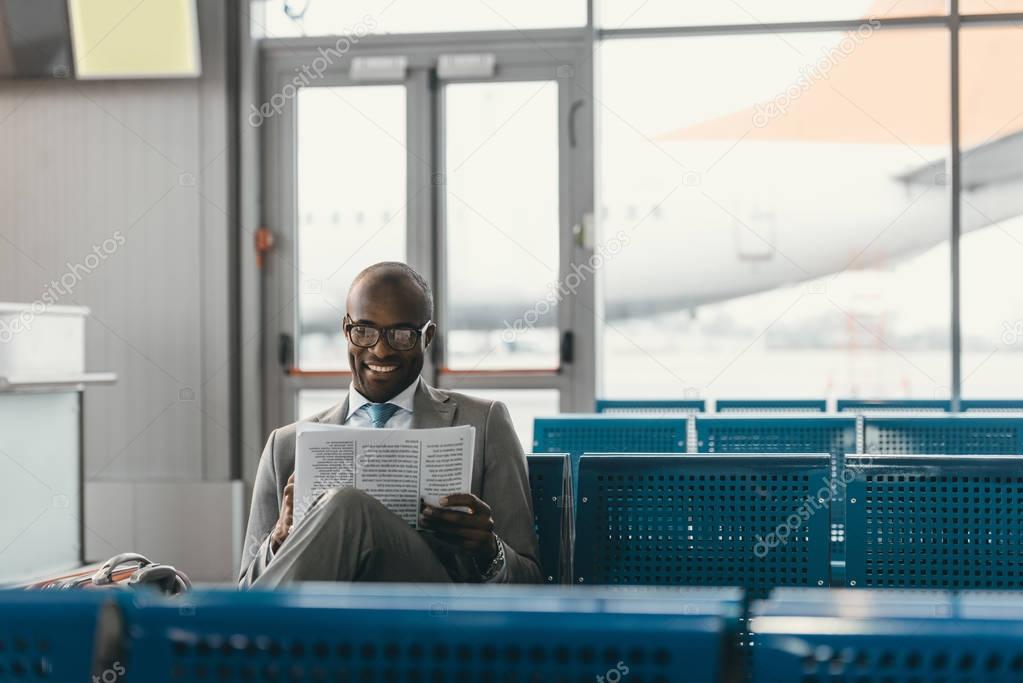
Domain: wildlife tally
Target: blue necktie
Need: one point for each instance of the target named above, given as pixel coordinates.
(380, 413)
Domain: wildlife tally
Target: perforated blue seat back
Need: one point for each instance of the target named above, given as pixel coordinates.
(578, 434)
(948, 522)
(907, 642)
(993, 405)
(548, 478)
(49, 635)
(786, 434)
(951, 435)
(650, 407)
(260, 636)
(780, 434)
(728, 520)
(782, 405)
(609, 434)
(907, 651)
(865, 405)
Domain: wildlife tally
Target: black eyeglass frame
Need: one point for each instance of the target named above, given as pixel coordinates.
(347, 324)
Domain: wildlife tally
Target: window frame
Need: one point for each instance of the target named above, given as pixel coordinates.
(520, 56)
(578, 382)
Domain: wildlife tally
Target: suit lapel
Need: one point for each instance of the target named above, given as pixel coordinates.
(432, 408)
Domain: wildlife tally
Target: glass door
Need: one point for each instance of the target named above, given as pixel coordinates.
(468, 175)
(343, 179)
(351, 161)
(351, 155)
(506, 221)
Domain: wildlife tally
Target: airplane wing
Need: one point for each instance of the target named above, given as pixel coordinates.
(987, 164)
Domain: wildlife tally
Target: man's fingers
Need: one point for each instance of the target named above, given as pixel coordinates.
(467, 500)
(460, 519)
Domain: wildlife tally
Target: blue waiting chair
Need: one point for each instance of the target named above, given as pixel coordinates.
(578, 434)
(949, 435)
(832, 434)
(463, 633)
(650, 407)
(886, 637)
(946, 522)
(991, 405)
(783, 405)
(58, 635)
(550, 483)
(864, 406)
(754, 521)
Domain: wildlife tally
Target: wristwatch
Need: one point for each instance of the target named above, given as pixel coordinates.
(496, 565)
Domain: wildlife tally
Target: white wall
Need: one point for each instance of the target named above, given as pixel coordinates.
(146, 161)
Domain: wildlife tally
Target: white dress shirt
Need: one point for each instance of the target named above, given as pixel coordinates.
(402, 419)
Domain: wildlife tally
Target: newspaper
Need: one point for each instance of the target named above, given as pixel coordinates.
(395, 466)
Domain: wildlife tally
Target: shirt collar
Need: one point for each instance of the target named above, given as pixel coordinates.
(404, 400)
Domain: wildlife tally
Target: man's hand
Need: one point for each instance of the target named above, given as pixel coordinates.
(287, 516)
(472, 531)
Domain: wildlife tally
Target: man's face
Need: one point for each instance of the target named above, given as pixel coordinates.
(380, 373)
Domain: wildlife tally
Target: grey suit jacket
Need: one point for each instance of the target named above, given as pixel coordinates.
(499, 477)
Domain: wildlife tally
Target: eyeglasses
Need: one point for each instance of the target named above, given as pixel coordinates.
(367, 336)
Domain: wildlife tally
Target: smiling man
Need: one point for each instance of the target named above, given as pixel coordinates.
(348, 535)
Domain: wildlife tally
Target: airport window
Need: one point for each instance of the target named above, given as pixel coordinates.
(524, 405)
(313, 401)
(277, 19)
(349, 213)
(789, 233)
(501, 188)
(992, 201)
